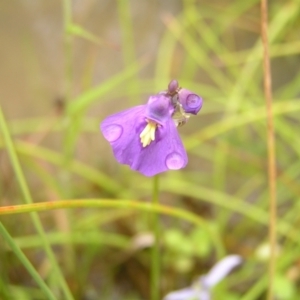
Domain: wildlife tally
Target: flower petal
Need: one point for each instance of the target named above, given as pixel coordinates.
(121, 130)
(159, 108)
(166, 152)
(184, 294)
(220, 270)
(190, 102)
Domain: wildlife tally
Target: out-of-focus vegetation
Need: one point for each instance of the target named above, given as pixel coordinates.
(66, 65)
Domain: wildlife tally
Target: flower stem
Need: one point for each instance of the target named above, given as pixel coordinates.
(271, 149)
(155, 266)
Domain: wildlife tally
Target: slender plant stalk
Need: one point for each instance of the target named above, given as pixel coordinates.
(271, 148)
(128, 49)
(68, 141)
(107, 203)
(26, 263)
(67, 13)
(28, 199)
(155, 261)
(68, 146)
(118, 203)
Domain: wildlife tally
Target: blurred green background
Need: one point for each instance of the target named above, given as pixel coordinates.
(66, 65)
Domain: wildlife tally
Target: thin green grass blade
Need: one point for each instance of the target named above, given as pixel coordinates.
(28, 199)
(26, 263)
(118, 203)
(87, 98)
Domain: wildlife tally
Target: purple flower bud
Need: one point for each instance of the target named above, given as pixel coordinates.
(173, 86)
(190, 102)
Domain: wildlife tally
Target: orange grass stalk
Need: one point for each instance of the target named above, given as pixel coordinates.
(271, 148)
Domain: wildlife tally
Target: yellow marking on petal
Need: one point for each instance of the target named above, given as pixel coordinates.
(148, 134)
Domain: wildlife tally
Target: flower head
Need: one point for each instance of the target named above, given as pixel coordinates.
(145, 137)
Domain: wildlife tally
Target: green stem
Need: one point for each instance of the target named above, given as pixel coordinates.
(67, 13)
(71, 121)
(118, 203)
(26, 263)
(155, 261)
(28, 199)
(126, 28)
(271, 149)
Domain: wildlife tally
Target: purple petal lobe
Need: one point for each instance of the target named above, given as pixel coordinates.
(174, 161)
(112, 132)
(123, 129)
(164, 153)
(159, 108)
(190, 102)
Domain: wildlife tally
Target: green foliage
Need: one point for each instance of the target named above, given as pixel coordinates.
(284, 288)
(182, 249)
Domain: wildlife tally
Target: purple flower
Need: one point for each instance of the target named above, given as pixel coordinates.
(200, 290)
(145, 137)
